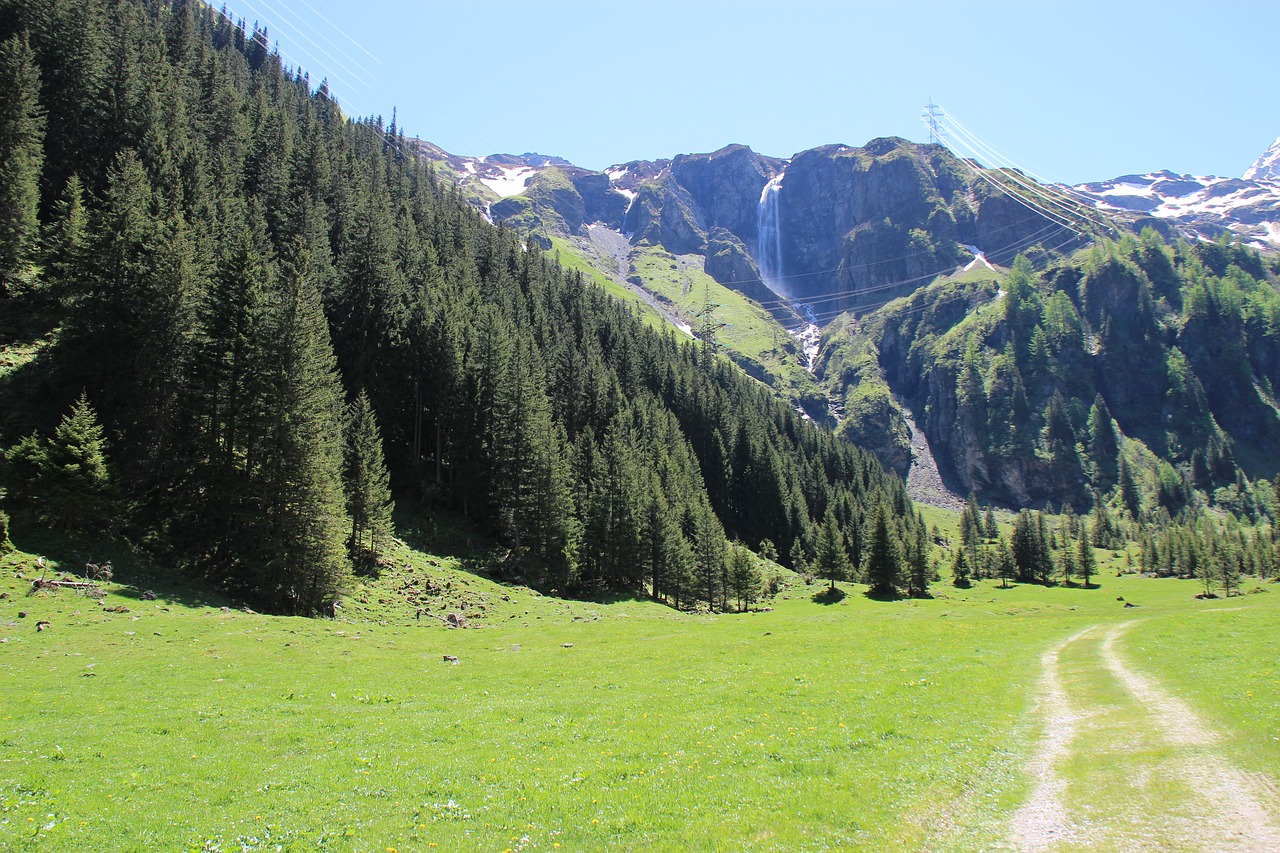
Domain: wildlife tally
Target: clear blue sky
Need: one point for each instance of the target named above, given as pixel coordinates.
(1074, 91)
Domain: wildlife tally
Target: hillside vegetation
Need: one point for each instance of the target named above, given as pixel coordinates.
(1136, 372)
(238, 322)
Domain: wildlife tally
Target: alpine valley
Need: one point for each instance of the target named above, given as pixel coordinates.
(356, 495)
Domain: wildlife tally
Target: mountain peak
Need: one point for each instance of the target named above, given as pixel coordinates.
(1267, 167)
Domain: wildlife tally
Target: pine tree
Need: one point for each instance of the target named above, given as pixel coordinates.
(1104, 446)
(1085, 561)
(990, 529)
(368, 484)
(884, 559)
(830, 562)
(919, 570)
(75, 479)
(22, 126)
(960, 570)
(303, 562)
(708, 553)
(745, 578)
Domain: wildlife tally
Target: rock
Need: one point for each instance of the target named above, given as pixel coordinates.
(22, 614)
(1130, 604)
(566, 645)
(148, 595)
(456, 620)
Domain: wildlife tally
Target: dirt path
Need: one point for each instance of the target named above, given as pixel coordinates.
(1043, 819)
(1125, 765)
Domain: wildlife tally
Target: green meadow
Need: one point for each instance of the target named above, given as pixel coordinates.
(187, 723)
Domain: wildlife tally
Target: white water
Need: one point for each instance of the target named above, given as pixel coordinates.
(769, 237)
(809, 336)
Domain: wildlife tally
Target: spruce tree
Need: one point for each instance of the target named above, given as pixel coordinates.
(368, 484)
(960, 570)
(75, 479)
(831, 562)
(1085, 560)
(745, 578)
(304, 564)
(884, 559)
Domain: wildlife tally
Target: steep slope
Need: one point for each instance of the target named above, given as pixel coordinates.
(1135, 368)
(340, 317)
(1266, 167)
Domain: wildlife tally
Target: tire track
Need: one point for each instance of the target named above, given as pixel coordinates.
(1043, 819)
(1232, 815)
(1218, 807)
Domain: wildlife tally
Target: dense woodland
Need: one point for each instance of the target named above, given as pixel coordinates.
(262, 319)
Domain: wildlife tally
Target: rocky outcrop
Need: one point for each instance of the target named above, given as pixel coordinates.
(726, 186)
(562, 200)
(664, 214)
(729, 263)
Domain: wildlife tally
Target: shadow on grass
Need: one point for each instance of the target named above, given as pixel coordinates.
(135, 574)
(882, 594)
(830, 595)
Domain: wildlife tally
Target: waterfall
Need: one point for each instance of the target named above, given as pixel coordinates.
(769, 236)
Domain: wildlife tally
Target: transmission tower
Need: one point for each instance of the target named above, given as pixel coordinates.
(932, 118)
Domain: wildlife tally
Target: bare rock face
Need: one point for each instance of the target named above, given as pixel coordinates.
(730, 263)
(726, 186)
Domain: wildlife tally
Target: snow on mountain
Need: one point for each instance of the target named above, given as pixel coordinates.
(1201, 206)
(1267, 166)
(509, 180)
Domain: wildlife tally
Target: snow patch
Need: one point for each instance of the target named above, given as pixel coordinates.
(1267, 167)
(512, 181)
(978, 258)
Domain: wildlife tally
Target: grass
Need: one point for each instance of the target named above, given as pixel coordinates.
(189, 723)
(757, 340)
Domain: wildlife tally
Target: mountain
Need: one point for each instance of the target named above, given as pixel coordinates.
(1201, 207)
(1133, 368)
(1266, 167)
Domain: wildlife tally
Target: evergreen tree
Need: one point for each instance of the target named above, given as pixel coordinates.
(960, 571)
(990, 529)
(1085, 561)
(919, 571)
(884, 559)
(368, 484)
(22, 127)
(745, 578)
(1127, 488)
(303, 563)
(1104, 446)
(75, 479)
(831, 561)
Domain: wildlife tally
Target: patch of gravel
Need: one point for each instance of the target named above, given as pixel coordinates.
(924, 481)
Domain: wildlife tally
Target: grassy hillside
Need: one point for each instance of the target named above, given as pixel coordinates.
(187, 722)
